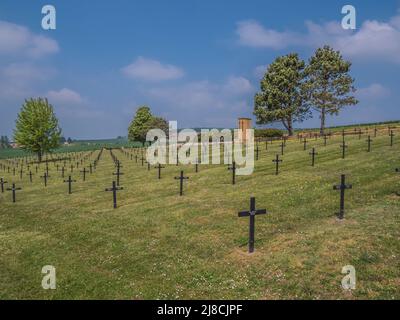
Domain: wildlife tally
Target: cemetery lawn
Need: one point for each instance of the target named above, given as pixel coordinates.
(158, 245)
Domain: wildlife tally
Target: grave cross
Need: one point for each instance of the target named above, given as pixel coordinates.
(114, 190)
(2, 183)
(45, 177)
(142, 159)
(282, 147)
(252, 214)
(398, 170)
(325, 139)
(233, 168)
(313, 154)
(344, 146)
(30, 176)
(69, 181)
(391, 138)
(257, 151)
(13, 189)
(277, 161)
(21, 173)
(181, 178)
(84, 171)
(342, 187)
(369, 140)
(159, 167)
(118, 173)
(305, 144)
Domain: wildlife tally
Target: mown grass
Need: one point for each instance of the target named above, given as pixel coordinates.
(158, 245)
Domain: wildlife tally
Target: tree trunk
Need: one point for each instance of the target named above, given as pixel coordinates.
(323, 114)
(290, 127)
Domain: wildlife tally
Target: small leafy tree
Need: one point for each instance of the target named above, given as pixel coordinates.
(37, 128)
(281, 97)
(329, 86)
(143, 122)
(4, 142)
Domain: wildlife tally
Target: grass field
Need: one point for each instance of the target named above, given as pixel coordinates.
(158, 245)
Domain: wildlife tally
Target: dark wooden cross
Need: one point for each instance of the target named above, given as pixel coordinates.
(69, 181)
(72, 168)
(233, 168)
(45, 177)
(342, 187)
(90, 168)
(159, 167)
(391, 138)
(47, 168)
(313, 154)
(2, 183)
(325, 139)
(21, 172)
(398, 170)
(14, 189)
(181, 178)
(305, 144)
(118, 173)
(62, 172)
(142, 159)
(277, 161)
(359, 134)
(344, 146)
(375, 131)
(30, 176)
(369, 140)
(257, 151)
(252, 214)
(197, 165)
(114, 190)
(84, 171)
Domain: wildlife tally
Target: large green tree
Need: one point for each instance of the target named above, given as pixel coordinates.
(37, 128)
(281, 97)
(143, 122)
(329, 85)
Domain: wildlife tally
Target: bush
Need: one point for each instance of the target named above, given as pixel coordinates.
(268, 133)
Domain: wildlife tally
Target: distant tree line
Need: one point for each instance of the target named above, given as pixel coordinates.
(4, 142)
(290, 89)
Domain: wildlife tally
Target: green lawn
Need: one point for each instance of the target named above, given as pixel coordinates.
(158, 245)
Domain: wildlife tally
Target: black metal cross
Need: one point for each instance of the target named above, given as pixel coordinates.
(282, 148)
(2, 183)
(342, 187)
(305, 144)
(313, 154)
(69, 181)
(233, 168)
(159, 167)
(398, 170)
(30, 176)
(277, 161)
(118, 173)
(257, 151)
(391, 138)
(181, 178)
(114, 190)
(142, 159)
(45, 177)
(84, 171)
(344, 146)
(252, 214)
(325, 139)
(369, 140)
(13, 189)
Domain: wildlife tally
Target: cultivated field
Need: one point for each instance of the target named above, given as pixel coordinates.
(158, 245)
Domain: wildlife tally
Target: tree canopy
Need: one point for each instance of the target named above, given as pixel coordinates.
(329, 86)
(281, 97)
(37, 128)
(143, 122)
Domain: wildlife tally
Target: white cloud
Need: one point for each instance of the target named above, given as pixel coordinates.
(16, 39)
(237, 86)
(65, 96)
(253, 34)
(374, 91)
(152, 70)
(373, 39)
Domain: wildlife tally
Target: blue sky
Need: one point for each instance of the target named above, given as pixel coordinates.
(197, 62)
